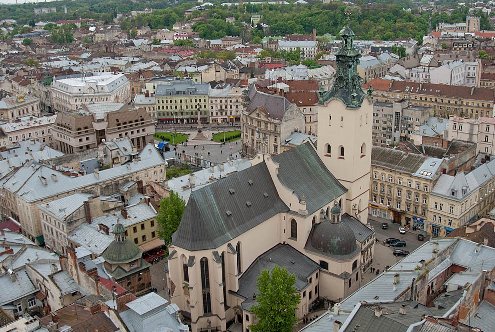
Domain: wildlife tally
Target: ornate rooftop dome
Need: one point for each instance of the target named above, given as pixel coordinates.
(334, 239)
(121, 250)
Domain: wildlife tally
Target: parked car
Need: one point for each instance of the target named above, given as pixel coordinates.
(402, 230)
(421, 237)
(399, 243)
(384, 225)
(391, 240)
(400, 252)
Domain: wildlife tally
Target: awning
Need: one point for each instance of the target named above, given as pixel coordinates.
(156, 243)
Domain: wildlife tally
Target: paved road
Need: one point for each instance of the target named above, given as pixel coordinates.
(393, 231)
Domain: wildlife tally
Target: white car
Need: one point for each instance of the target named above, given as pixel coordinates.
(402, 230)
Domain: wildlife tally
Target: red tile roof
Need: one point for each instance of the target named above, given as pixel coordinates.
(451, 91)
(109, 284)
(10, 225)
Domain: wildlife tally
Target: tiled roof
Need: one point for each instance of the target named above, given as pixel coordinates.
(274, 105)
(441, 90)
(396, 159)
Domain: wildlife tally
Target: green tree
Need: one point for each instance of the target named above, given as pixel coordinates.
(155, 41)
(169, 216)
(277, 301)
(32, 62)
(133, 33)
(399, 50)
(27, 41)
(483, 54)
(184, 42)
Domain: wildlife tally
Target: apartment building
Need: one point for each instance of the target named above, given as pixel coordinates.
(396, 121)
(26, 128)
(480, 131)
(14, 107)
(371, 67)
(308, 48)
(182, 101)
(267, 122)
(84, 130)
(456, 201)
(71, 93)
(445, 100)
(401, 183)
(32, 184)
(225, 104)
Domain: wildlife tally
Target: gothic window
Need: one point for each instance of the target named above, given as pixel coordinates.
(363, 150)
(205, 274)
(328, 149)
(238, 257)
(293, 229)
(185, 270)
(205, 284)
(341, 152)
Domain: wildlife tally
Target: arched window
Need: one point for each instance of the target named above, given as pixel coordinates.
(354, 265)
(238, 257)
(205, 284)
(363, 150)
(328, 149)
(293, 229)
(341, 152)
(185, 268)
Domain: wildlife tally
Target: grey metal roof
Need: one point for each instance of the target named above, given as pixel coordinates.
(15, 288)
(28, 181)
(65, 283)
(361, 231)
(429, 326)
(274, 105)
(390, 320)
(302, 170)
(219, 212)
(483, 317)
(282, 255)
(332, 239)
(324, 323)
(63, 207)
(90, 238)
(152, 313)
(181, 87)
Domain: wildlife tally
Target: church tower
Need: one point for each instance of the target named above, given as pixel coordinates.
(345, 118)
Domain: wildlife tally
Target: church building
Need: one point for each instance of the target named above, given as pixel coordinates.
(304, 210)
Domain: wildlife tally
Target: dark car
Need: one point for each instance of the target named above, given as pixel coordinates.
(391, 240)
(421, 237)
(400, 252)
(399, 243)
(384, 225)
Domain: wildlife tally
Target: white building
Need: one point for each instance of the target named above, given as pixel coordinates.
(26, 129)
(69, 94)
(308, 48)
(12, 108)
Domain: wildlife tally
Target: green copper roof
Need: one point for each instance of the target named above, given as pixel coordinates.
(121, 250)
(347, 86)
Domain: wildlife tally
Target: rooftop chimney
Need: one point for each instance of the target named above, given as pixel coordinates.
(378, 312)
(402, 309)
(123, 211)
(396, 278)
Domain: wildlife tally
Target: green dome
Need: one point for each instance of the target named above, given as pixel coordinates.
(121, 250)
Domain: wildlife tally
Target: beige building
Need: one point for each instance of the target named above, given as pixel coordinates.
(445, 100)
(182, 101)
(27, 128)
(267, 122)
(288, 205)
(226, 104)
(458, 200)
(298, 217)
(73, 132)
(70, 94)
(480, 131)
(13, 108)
(401, 184)
(33, 184)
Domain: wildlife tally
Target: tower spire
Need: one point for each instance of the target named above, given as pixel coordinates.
(347, 86)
